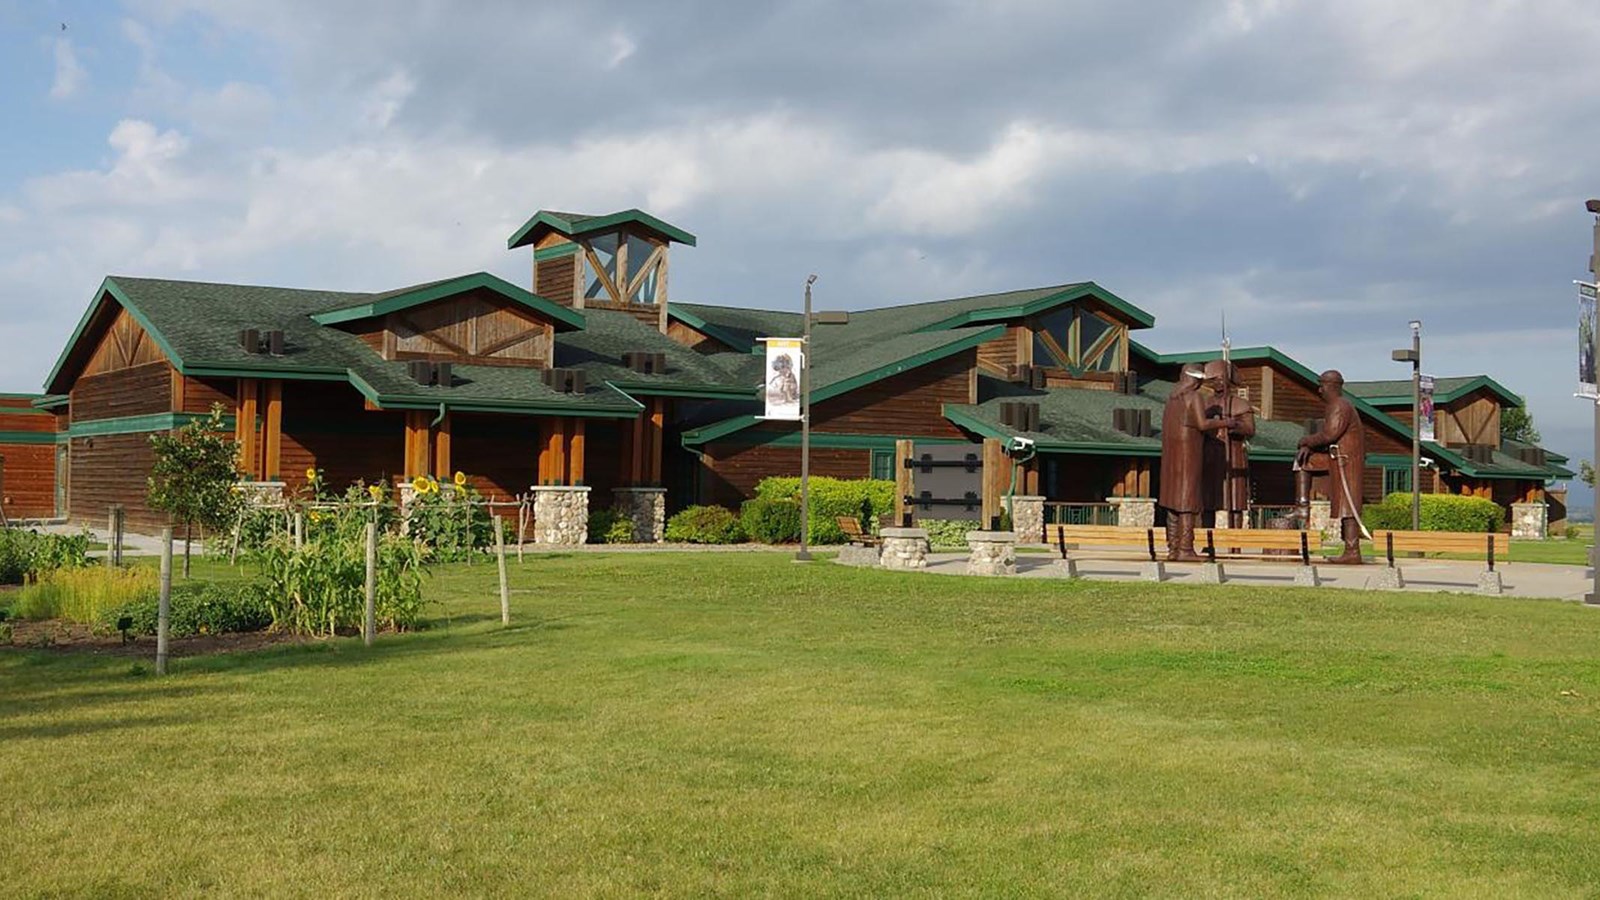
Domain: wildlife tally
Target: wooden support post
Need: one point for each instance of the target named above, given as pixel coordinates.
(369, 622)
(658, 415)
(505, 585)
(417, 461)
(441, 450)
(575, 452)
(558, 452)
(299, 530)
(245, 428)
(111, 537)
(164, 601)
(636, 469)
(995, 470)
(903, 483)
(272, 431)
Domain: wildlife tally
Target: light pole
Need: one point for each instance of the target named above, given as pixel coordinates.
(822, 318)
(1414, 356)
(1593, 206)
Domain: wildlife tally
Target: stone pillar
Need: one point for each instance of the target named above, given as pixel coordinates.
(1321, 519)
(1530, 520)
(560, 515)
(904, 548)
(261, 493)
(1027, 518)
(993, 553)
(647, 508)
(1135, 512)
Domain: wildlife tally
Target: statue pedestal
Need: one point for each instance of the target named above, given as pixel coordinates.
(1134, 512)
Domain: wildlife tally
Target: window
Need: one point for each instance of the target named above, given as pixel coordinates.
(1396, 480)
(605, 250)
(883, 465)
(1079, 340)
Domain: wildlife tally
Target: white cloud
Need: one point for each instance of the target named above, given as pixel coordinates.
(385, 99)
(621, 46)
(70, 74)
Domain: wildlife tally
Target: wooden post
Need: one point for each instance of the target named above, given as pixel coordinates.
(369, 624)
(111, 536)
(245, 428)
(272, 431)
(575, 453)
(522, 527)
(164, 601)
(658, 414)
(505, 586)
(417, 461)
(299, 530)
(558, 452)
(636, 470)
(441, 450)
(903, 484)
(994, 480)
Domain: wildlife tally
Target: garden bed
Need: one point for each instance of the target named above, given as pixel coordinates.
(56, 636)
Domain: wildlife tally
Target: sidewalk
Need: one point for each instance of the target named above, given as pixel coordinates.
(1539, 580)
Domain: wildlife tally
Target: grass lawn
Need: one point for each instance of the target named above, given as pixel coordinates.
(736, 724)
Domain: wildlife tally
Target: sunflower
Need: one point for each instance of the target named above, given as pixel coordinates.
(419, 484)
(376, 491)
(311, 474)
(461, 479)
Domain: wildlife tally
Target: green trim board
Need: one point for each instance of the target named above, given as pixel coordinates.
(710, 330)
(700, 392)
(833, 440)
(283, 374)
(11, 396)
(28, 437)
(139, 424)
(1088, 289)
(962, 419)
(556, 252)
(405, 298)
(574, 225)
(51, 401)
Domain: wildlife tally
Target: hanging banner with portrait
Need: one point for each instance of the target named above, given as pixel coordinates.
(780, 388)
(1586, 331)
(1425, 408)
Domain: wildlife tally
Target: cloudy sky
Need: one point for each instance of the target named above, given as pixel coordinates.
(1322, 172)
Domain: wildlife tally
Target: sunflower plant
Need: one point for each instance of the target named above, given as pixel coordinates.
(449, 518)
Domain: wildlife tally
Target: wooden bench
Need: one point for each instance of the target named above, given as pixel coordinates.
(1488, 545)
(1285, 543)
(851, 526)
(1110, 536)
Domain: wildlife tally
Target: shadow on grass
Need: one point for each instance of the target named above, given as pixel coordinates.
(75, 728)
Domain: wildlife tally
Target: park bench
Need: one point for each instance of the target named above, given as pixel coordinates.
(1489, 545)
(851, 526)
(1078, 536)
(1297, 544)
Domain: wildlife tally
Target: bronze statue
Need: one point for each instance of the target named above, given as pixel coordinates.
(1343, 439)
(1227, 460)
(1183, 428)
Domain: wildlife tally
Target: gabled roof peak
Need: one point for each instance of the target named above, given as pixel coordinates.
(575, 225)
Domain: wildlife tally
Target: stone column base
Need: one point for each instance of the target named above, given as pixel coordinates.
(560, 515)
(993, 553)
(1530, 520)
(904, 548)
(1027, 518)
(1306, 576)
(1390, 579)
(1322, 519)
(647, 508)
(1489, 583)
(1135, 512)
(857, 555)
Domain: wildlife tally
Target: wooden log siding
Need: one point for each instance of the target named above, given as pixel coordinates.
(29, 468)
(498, 454)
(135, 391)
(328, 427)
(910, 403)
(731, 472)
(108, 469)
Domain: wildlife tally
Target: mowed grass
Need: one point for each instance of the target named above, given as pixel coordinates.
(736, 724)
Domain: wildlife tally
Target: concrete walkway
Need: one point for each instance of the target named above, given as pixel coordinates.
(1539, 580)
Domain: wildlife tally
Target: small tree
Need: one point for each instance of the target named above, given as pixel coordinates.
(1586, 472)
(1516, 424)
(194, 475)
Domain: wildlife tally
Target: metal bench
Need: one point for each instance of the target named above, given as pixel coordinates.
(1489, 545)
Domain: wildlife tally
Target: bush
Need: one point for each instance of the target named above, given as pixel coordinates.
(25, 555)
(947, 534)
(771, 520)
(607, 526)
(865, 499)
(705, 525)
(84, 595)
(197, 608)
(1439, 512)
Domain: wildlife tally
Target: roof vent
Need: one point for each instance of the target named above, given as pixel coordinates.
(1483, 454)
(1029, 376)
(1019, 415)
(255, 341)
(430, 373)
(1135, 422)
(1126, 383)
(274, 342)
(1533, 456)
(566, 381)
(250, 340)
(645, 362)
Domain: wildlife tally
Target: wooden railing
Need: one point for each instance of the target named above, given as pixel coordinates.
(1264, 516)
(1080, 514)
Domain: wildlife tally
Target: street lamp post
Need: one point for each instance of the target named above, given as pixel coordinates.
(1414, 356)
(821, 318)
(1593, 206)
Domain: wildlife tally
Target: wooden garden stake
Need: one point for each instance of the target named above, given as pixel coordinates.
(505, 587)
(369, 625)
(522, 527)
(111, 537)
(164, 605)
(299, 530)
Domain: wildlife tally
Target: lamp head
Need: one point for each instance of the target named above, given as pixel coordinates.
(810, 280)
(1593, 206)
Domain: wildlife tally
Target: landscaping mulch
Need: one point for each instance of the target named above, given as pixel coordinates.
(70, 637)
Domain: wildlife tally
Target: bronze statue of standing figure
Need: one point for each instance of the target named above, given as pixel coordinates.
(1343, 439)
(1227, 455)
(1183, 437)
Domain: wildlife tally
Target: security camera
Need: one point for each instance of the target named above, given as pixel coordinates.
(1021, 444)
(1425, 463)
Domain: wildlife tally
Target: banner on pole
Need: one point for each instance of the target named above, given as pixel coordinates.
(1587, 327)
(781, 388)
(1425, 408)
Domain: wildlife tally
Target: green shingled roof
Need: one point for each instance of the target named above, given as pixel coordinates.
(578, 224)
(1397, 392)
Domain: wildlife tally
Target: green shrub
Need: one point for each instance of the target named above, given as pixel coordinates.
(608, 526)
(705, 525)
(1439, 512)
(84, 595)
(947, 534)
(25, 555)
(865, 499)
(771, 520)
(198, 607)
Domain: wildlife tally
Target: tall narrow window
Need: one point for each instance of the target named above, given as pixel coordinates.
(883, 465)
(597, 283)
(642, 271)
